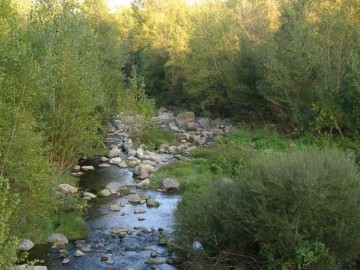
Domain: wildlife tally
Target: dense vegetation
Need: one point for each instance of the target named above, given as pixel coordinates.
(66, 66)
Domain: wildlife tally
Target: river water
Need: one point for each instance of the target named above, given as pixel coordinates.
(130, 252)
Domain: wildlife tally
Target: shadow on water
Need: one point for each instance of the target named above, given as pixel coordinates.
(131, 251)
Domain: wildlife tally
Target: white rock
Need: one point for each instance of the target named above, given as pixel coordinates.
(115, 207)
(139, 153)
(143, 170)
(135, 198)
(170, 184)
(58, 237)
(114, 152)
(116, 160)
(144, 183)
(174, 127)
(79, 253)
(26, 245)
(66, 188)
(88, 168)
(122, 164)
(90, 195)
(139, 211)
(104, 165)
(114, 187)
(76, 168)
(131, 152)
(104, 159)
(104, 193)
(27, 267)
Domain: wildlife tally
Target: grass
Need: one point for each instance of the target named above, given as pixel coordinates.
(72, 225)
(153, 137)
(191, 175)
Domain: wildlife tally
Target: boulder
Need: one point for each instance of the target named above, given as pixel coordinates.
(115, 207)
(88, 168)
(122, 164)
(191, 126)
(89, 195)
(152, 203)
(104, 165)
(104, 159)
(66, 188)
(26, 245)
(104, 193)
(131, 152)
(174, 127)
(166, 118)
(143, 170)
(139, 153)
(135, 198)
(114, 187)
(139, 211)
(154, 157)
(185, 118)
(115, 160)
(114, 152)
(204, 122)
(79, 253)
(144, 183)
(169, 184)
(76, 168)
(57, 237)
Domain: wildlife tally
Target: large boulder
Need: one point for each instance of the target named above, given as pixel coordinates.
(143, 170)
(135, 198)
(57, 237)
(114, 187)
(204, 122)
(170, 184)
(114, 152)
(154, 157)
(115, 160)
(139, 153)
(185, 118)
(26, 245)
(144, 183)
(166, 118)
(66, 188)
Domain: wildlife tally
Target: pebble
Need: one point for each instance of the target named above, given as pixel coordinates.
(110, 262)
(79, 253)
(139, 211)
(153, 254)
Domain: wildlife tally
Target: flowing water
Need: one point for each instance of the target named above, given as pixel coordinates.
(130, 252)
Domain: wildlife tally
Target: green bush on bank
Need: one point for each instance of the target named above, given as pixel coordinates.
(293, 210)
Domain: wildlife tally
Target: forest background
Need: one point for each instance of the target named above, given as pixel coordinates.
(65, 69)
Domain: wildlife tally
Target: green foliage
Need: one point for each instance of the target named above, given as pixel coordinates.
(135, 102)
(192, 175)
(9, 244)
(152, 136)
(298, 209)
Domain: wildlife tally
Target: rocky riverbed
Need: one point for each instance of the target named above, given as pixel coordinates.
(130, 225)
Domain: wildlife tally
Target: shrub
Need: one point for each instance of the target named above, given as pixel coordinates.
(8, 243)
(293, 210)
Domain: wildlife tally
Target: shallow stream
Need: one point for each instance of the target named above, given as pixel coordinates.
(130, 252)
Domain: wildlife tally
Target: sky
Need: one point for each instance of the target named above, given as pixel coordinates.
(115, 3)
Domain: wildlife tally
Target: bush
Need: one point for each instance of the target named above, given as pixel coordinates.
(293, 210)
(8, 243)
